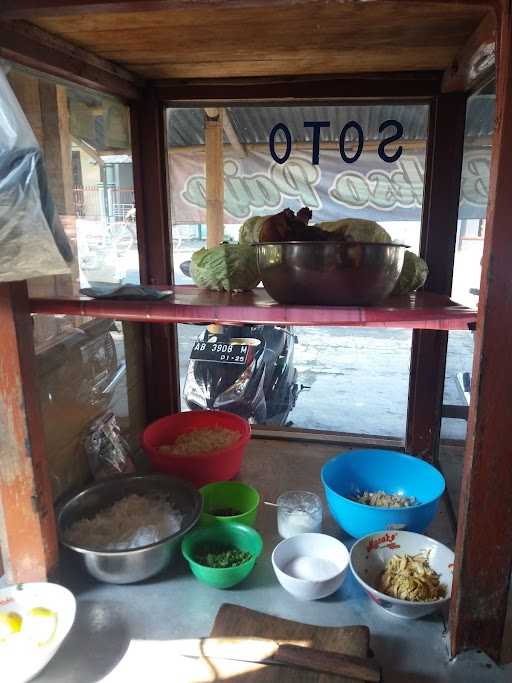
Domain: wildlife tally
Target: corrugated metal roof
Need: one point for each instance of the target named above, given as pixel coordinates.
(253, 124)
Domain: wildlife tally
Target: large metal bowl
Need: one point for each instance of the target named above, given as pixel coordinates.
(129, 566)
(330, 273)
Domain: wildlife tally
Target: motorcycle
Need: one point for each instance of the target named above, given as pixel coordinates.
(243, 369)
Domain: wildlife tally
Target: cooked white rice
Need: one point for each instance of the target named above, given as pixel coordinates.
(201, 441)
(132, 522)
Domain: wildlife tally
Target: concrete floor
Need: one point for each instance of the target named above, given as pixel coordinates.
(123, 633)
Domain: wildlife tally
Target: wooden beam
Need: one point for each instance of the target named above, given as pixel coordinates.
(476, 62)
(404, 86)
(57, 145)
(31, 47)
(87, 149)
(27, 523)
(238, 149)
(438, 240)
(155, 249)
(214, 152)
(484, 539)
(231, 134)
(34, 8)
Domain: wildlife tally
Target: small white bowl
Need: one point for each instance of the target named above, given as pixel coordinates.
(20, 659)
(310, 566)
(370, 554)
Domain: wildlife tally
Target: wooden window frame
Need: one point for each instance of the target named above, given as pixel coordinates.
(484, 540)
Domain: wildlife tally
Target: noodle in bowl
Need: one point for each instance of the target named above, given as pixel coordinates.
(371, 555)
(198, 434)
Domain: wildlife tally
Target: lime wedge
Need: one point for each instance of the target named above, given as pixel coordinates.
(10, 623)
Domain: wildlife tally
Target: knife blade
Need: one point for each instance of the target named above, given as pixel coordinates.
(269, 651)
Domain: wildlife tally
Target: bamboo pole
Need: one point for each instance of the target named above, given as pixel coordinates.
(214, 143)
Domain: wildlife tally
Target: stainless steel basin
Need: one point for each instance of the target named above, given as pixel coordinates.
(129, 566)
(330, 273)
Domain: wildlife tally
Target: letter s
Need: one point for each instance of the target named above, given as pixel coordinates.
(389, 158)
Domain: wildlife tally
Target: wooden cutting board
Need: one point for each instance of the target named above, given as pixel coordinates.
(232, 620)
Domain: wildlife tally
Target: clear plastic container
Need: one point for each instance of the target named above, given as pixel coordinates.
(299, 512)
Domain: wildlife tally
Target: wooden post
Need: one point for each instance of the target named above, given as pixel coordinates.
(155, 249)
(484, 539)
(214, 143)
(57, 155)
(438, 241)
(27, 523)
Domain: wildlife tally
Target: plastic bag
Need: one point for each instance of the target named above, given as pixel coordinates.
(107, 452)
(32, 240)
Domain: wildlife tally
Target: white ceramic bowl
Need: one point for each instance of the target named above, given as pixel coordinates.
(319, 560)
(20, 659)
(370, 554)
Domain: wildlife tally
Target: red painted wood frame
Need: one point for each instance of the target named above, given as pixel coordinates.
(149, 155)
(27, 524)
(484, 544)
(484, 540)
(189, 304)
(443, 169)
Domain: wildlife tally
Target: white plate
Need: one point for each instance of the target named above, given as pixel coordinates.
(21, 660)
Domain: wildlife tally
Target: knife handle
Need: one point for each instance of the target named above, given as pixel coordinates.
(328, 662)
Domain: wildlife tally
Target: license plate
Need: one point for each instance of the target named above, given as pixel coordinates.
(220, 352)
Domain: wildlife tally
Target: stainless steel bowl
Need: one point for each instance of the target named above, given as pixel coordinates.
(330, 273)
(129, 566)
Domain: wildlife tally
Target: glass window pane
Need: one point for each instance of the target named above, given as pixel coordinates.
(347, 371)
(480, 122)
(85, 367)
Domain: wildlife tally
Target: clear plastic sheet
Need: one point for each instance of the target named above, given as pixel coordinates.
(32, 240)
(107, 452)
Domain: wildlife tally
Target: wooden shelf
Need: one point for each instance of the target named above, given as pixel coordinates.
(189, 304)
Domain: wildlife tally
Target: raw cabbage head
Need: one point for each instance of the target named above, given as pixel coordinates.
(250, 230)
(228, 267)
(413, 276)
(356, 230)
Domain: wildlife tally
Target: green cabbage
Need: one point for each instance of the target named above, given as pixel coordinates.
(356, 230)
(413, 276)
(227, 267)
(250, 230)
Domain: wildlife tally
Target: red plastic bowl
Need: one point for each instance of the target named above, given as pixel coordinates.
(200, 469)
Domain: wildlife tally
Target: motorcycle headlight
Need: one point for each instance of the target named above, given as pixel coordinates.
(237, 389)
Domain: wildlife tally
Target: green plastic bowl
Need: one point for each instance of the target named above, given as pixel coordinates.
(229, 494)
(239, 535)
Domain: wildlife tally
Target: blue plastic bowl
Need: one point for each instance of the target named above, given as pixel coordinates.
(379, 470)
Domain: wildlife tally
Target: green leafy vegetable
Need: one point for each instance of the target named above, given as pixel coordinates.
(355, 230)
(221, 556)
(228, 267)
(250, 230)
(413, 275)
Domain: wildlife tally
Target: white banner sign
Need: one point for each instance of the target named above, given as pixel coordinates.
(370, 188)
